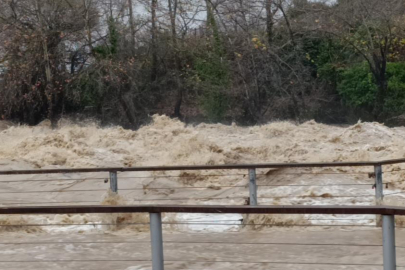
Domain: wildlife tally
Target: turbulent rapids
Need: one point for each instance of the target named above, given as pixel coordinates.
(170, 142)
(79, 241)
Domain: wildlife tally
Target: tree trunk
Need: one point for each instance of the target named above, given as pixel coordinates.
(380, 98)
(87, 24)
(179, 98)
(132, 24)
(49, 91)
(269, 21)
(287, 22)
(379, 72)
(154, 45)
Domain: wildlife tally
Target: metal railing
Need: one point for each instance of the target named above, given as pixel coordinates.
(388, 213)
(376, 166)
(155, 212)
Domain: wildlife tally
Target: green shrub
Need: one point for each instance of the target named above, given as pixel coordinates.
(358, 88)
(213, 78)
(395, 101)
(214, 102)
(110, 49)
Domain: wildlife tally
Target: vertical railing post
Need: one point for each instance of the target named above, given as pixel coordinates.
(379, 193)
(252, 187)
(114, 182)
(156, 241)
(389, 253)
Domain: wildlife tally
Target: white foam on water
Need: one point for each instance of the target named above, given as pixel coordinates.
(207, 222)
(167, 142)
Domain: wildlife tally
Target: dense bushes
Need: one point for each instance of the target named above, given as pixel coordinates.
(294, 60)
(358, 88)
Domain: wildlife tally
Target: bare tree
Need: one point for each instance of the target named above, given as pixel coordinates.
(269, 20)
(132, 23)
(154, 48)
(371, 28)
(173, 4)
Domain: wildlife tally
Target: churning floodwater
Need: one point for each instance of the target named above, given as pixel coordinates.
(166, 142)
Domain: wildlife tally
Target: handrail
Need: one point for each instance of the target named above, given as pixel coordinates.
(155, 219)
(208, 167)
(206, 209)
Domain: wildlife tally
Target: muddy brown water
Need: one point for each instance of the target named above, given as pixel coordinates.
(170, 142)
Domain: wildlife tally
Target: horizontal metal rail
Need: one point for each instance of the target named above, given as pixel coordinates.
(155, 212)
(252, 200)
(210, 167)
(207, 209)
